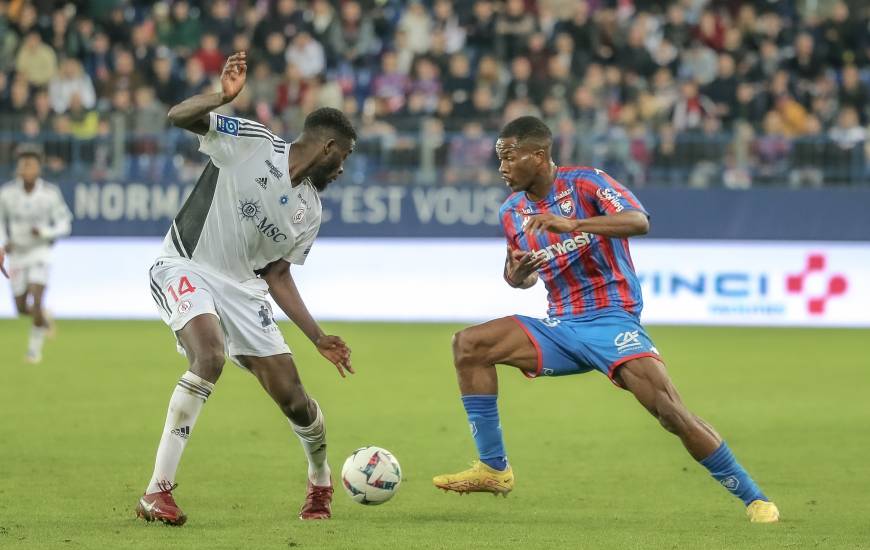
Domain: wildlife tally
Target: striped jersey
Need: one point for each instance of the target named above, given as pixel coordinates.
(243, 212)
(585, 273)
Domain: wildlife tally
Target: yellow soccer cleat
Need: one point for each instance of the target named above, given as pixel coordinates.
(480, 478)
(762, 511)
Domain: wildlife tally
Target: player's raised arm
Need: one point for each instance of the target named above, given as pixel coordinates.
(192, 113)
(3, 241)
(286, 295)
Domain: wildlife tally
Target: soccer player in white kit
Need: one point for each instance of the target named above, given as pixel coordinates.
(33, 215)
(254, 211)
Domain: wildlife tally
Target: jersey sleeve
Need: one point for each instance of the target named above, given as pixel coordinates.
(508, 227)
(303, 245)
(231, 140)
(61, 217)
(4, 237)
(606, 194)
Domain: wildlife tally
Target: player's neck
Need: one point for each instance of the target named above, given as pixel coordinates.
(542, 187)
(299, 161)
(29, 187)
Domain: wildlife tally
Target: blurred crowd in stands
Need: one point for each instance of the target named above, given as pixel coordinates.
(688, 92)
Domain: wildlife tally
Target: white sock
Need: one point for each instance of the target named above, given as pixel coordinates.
(37, 337)
(313, 439)
(184, 406)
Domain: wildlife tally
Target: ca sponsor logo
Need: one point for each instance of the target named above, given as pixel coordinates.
(550, 322)
(627, 341)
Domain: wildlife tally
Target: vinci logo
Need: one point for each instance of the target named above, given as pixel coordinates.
(835, 285)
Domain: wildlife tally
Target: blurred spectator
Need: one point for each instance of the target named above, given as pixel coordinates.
(853, 93)
(71, 80)
(522, 85)
(513, 26)
(286, 19)
(83, 122)
(36, 61)
(209, 54)
(220, 21)
(183, 31)
(691, 107)
(417, 26)
(390, 84)
(352, 39)
(263, 84)
(307, 54)
(447, 22)
(481, 29)
(167, 86)
(124, 77)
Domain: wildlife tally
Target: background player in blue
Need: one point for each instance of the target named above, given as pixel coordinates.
(569, 226)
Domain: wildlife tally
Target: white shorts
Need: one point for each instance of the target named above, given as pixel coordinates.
(23, 275)
(183, 290)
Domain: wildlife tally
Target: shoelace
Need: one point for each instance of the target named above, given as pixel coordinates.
(320, 494)
(166, 486)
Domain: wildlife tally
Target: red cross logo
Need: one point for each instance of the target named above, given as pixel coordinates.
(836, 285)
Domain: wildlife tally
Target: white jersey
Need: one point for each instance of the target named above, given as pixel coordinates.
(244, 213)
(42, 209)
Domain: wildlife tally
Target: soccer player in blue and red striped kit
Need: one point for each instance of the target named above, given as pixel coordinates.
(570, 226)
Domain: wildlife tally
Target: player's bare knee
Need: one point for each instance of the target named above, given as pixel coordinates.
(466, 349)
(672, 415)
(208, 364)
(296, 406)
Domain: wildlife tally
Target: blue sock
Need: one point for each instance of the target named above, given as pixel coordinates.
(726, 470)
(482, 412)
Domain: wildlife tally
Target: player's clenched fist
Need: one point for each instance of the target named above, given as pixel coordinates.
(234, 75)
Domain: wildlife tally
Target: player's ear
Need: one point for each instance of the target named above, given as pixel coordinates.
(328, 146)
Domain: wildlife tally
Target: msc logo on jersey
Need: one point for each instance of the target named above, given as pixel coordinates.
(271, 231)
(627, 341)
(227, 125)
(250, 210)
(566, 207)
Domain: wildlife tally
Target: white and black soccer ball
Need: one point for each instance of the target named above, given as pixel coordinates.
(371, 475)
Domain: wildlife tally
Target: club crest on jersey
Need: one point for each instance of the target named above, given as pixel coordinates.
(566, 207)
(227, 125)
(299, 215)
(249, 209)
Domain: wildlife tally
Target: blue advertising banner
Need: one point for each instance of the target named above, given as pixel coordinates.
(136, 209)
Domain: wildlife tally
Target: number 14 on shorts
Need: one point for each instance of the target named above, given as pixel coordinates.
(184, 287)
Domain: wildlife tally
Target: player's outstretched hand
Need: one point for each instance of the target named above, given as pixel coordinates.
(337, 352)
(549, 222)
(234, 75)
(2, 259)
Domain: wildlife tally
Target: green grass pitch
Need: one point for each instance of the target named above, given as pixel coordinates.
(78, 435)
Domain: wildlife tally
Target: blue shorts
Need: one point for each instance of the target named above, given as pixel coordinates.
(601, 341)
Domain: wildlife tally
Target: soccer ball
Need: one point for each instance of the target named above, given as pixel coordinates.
(371, 475)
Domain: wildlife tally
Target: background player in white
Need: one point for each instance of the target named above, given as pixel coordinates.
(253, 212)
(33, 215)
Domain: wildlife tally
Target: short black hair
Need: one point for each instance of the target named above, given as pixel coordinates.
(527, 128)
(331, 120)
(29, 150)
